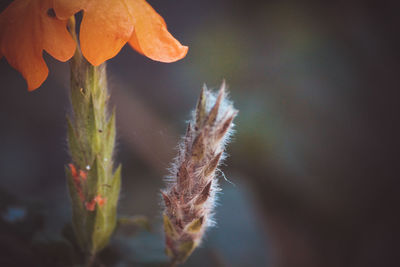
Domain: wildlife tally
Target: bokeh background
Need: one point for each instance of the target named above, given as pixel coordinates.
(314, 161)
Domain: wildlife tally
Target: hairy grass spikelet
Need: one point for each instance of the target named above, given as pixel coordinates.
(190, 196)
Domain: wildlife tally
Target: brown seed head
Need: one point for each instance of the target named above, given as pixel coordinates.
(190, 197)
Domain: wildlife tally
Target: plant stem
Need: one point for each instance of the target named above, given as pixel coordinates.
(93, 184)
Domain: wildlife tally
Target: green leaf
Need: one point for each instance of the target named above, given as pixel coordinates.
(106, 215)
(74, 146)
(110, 136)
(94, 179)
(91, 127)
(115, 186)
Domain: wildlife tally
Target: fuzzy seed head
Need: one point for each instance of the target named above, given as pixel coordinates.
(190, 195)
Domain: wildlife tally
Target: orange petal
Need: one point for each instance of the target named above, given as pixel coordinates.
(106, 27)
(22, 46)
(152, 37)
(27, 29)
(66, 8)
(133, 41)
(57, 41)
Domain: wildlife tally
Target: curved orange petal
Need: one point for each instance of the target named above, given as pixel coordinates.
(66, 8)
(106, 27)
(26, 29)
(152, 37)
(22, 47)
(25, 56)
(57, 41)
(134, 42)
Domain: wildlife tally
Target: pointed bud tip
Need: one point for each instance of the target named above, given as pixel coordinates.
(167, 201)
(213, 164)
(72, 168)
(205, 193)
(198, 147)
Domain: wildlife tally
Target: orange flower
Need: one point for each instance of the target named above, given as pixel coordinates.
(108, 24)
(27, 27)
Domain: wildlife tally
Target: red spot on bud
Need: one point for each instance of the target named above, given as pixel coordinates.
(100, 200)
(90, 206)
(77, 180)
(73, 169)
(83, 175)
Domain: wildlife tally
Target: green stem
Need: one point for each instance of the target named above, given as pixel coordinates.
(93, 184)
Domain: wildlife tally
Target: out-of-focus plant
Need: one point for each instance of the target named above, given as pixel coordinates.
(190, 196)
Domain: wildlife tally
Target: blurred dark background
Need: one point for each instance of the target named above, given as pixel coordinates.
(314, 160)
